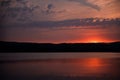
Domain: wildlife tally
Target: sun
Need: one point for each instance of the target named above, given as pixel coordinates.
(94, 41)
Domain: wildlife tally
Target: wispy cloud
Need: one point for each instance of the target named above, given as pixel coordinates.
(54, 10)
(86, 3)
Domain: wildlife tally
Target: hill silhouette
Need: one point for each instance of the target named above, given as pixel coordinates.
(62, 47)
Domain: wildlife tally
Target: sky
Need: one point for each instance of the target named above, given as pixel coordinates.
(59, 21)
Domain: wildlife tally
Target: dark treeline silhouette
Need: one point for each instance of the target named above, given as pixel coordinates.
(63, 47)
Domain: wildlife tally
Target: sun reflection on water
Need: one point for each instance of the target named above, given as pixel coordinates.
(93, 66)
(83, 67)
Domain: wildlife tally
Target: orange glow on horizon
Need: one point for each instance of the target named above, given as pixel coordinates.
(99, 41)
(95, 40)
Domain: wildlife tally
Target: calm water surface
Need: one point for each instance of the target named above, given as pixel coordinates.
(60, 66)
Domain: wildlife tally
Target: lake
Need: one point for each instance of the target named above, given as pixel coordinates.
(60, 66)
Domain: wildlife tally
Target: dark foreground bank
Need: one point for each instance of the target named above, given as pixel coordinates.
(63, 47)
(60, 78)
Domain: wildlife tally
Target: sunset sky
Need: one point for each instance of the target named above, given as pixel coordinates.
(60, 21)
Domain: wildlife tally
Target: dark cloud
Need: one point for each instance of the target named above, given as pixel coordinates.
(5, 3)
(86, 3)
(17, 12)
(51, 10)
(20, 13)
(70, 23)
(78, 22)
(50, 6)
(22, 1)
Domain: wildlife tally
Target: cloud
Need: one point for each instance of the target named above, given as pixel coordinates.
(51, 9)
(5, 3)
(69, 23)
(17, 13)
(20, 12)
(78, 23)
(50, 6)
(86, 3)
